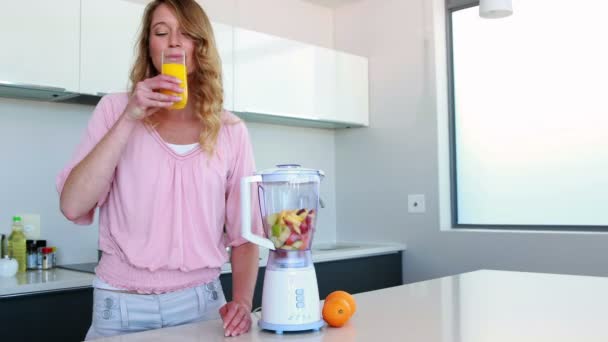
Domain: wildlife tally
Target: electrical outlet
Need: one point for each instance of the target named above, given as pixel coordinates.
(415, 203)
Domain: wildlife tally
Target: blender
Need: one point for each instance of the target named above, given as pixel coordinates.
(289, 198)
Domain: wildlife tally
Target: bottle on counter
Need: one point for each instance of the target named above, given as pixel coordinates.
(39, 245)
(54, 256)
(3, 247)
(32, 254)
(16, 244)
(47, 258)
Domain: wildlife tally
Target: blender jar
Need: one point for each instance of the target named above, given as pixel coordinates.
(289, 200)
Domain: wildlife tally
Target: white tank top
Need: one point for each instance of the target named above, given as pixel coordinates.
(182, 149)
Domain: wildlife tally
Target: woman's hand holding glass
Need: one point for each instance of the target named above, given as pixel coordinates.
(146, 98)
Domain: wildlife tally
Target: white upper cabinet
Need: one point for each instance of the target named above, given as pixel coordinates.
(109, 31)
(281, 77)
(224, 41)
(352, 95)
(278, 77)
(88, 47)
(40, 41)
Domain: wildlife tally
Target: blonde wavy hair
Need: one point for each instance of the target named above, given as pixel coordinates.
(205, 84)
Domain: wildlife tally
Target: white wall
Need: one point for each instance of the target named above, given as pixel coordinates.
(398, 154)
(38, 138)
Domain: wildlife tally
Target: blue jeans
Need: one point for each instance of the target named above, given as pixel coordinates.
(117, 313)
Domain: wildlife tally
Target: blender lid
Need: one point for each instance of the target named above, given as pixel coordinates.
(291, 172)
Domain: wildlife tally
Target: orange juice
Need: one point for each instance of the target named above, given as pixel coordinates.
(178, 71)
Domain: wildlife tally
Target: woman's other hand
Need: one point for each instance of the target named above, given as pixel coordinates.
(236, 317)
(146, 98)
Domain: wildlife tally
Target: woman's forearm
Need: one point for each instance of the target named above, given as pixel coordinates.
(87, 181)
(245, 264)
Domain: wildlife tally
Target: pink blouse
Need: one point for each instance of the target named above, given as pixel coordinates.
(162, 217)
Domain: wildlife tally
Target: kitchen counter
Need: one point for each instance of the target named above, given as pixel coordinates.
(60, 279)
(480, 306)
(55, 279)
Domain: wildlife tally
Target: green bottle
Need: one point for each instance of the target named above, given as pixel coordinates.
(16, 243)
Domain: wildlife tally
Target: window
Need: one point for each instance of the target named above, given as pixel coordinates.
(529, 115)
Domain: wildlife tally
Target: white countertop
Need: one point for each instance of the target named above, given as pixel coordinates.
(481, 306)
(59, 279)
(55, 279)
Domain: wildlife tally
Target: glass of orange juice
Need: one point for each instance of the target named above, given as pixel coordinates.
(174, 64)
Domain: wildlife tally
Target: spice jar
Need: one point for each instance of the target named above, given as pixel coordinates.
(47, 258)
(39, 245)
(54, 256)
(31, 255)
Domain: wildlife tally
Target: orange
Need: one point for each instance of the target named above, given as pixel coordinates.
(347, 296)
(336, 312)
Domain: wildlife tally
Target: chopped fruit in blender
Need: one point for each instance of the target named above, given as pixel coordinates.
(294, 225)
(272, 219)
(285, 232)
(305, 241)
(311, 213)
(276, 241)
(276, 230)
(280, 218)
(305, 226)
(294, 218)
(290, 229)
(292, 238)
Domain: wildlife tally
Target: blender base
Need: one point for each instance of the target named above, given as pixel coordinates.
(280, 328)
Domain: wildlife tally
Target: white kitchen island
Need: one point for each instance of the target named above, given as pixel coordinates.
(481, 306)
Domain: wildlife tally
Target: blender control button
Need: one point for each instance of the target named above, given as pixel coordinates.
(299, 291)
(299, 298)
(299, 305)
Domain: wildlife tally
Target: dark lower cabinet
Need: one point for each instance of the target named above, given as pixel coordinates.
(66, 315)
(53, 316)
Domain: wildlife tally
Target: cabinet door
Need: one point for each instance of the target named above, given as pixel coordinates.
(224, 40)
(352, 104)
(359, 274)
(281, 77)
(47, 316)
(109, 33)
(40, 42)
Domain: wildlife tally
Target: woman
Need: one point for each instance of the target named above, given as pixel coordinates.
(167, 184)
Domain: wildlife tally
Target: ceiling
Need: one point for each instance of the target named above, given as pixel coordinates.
(331, 3)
